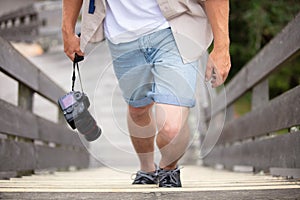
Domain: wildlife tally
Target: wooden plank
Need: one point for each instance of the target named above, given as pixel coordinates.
(16, 121)
(19, 122)
(279, 194)
(282, 112)
(281, 151)
(286, 43)
(48, 157)
(19, 156)
(16, 156)
(18, 67)
(26, 11)
(58, 133)
(23, 32)
(286, 172)
(243, 168)
(49, 88)
(7, 175)
(106, 183)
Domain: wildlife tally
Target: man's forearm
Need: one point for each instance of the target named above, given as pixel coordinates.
(71, 9)
(70, 12)
(218, 15)
(219, 63)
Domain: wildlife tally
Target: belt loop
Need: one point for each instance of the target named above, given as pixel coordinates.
(92, 7)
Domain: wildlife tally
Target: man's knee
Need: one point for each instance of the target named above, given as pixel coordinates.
(170, 120)
(170, 130)
(139, 113)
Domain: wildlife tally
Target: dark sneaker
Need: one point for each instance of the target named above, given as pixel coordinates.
(169, 178)
(146, 178)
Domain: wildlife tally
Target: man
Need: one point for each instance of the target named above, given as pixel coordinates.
(155, 46)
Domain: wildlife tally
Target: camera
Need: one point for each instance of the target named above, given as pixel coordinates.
(75, 109)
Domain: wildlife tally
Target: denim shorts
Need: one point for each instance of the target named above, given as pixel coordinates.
(150, 69)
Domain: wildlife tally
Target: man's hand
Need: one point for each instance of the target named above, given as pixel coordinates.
(218, 66)
(72, 45)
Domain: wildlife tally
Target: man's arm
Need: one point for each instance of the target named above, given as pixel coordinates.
(218, 15)
(70, 13)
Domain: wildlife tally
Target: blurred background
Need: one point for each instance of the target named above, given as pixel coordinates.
(33, 27)
(253, 24)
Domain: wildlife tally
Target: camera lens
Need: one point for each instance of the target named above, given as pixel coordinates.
(78, 96)
(87, 126)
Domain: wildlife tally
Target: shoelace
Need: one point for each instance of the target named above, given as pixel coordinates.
(163, 174)
(141, 174)
(150, 175)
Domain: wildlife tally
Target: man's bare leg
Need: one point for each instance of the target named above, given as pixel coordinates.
(173, 134)
(142, 131)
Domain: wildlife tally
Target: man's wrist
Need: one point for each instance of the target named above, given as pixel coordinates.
(223, 44)
(67, 30)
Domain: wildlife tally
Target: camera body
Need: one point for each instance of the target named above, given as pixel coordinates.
(73, 104)
(75, 109)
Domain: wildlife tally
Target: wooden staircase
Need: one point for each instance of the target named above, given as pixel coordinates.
(105, 183)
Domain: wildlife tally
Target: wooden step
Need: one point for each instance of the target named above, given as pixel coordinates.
(111, 184)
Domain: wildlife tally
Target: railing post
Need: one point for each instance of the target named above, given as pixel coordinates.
(25, 101)
(61, 117)
(230, 113)
(25, 97)
(260, 94)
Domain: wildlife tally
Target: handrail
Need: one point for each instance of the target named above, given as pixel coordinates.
(279, 49)
(21, 69)
(29, 142)
(252, 139)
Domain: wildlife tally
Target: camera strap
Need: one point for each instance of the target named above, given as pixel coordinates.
(77, 59)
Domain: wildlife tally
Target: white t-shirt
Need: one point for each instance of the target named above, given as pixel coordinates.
(127, 20)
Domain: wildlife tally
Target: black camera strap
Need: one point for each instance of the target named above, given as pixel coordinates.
(77, 59)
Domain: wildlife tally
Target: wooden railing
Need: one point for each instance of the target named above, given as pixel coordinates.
(29, 142)
(38, 22)
(22, 24)
(250, 142)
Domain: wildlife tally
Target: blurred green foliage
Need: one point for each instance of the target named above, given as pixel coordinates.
(253, 24)
(286, 78)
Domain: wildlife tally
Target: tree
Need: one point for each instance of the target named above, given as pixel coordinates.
(253, 24)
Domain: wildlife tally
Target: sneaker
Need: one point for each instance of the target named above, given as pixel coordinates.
(169, 178)
(146, 177)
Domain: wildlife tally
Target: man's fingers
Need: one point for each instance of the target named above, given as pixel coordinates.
(72, 57)
(220, 62)
(209, 71)
(217, 78)
(71, 54)
(79, 52)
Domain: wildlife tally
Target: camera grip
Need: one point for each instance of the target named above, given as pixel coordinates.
(78, 58)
